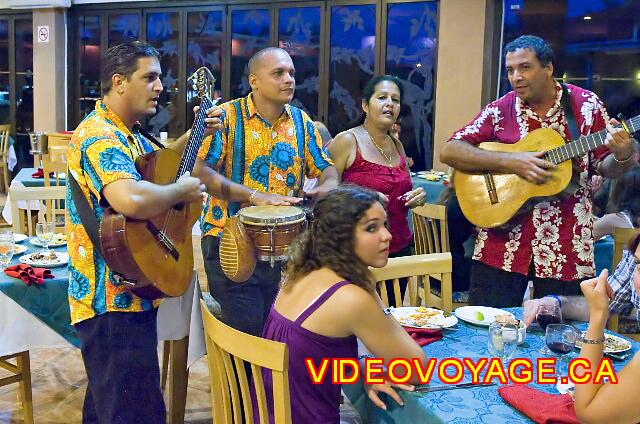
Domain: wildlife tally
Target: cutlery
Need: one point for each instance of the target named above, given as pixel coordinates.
(618, 356)
(428, 389)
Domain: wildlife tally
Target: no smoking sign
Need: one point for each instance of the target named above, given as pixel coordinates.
(43, 34)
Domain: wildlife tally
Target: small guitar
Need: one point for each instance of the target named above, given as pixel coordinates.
(155, 257)
(489, 200)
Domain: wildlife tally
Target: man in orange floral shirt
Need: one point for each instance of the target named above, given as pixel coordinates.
(269, 146)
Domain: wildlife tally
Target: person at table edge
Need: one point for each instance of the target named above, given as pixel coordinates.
(117, 329)
(268, 145)
(551, 244)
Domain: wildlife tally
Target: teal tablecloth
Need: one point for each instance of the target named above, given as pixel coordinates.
(460, 406)
(432, 188)
(24, 176)
(43, 301)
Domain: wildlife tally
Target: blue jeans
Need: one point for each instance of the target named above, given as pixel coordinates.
(120, 354)
(244, 306)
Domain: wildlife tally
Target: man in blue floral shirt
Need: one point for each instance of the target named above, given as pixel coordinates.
(269, 146)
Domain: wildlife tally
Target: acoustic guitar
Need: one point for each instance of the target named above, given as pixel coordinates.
(490, 199)
(155, 257)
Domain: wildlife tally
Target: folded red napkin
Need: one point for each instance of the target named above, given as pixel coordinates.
(28, 274)
(424, 336)
(38, 174)
(541, 407)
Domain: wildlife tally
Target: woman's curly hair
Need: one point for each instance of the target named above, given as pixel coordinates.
(329, 240)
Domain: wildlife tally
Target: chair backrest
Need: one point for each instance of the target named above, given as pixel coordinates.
(621, 237)
(417, 269)
(58, 140)
(430, 233)
(4, 140)
(29, 200)
(228, 351)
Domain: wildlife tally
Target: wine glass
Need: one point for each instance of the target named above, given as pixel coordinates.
(561, 340)
(503, 340)
(44, 232)
(545, 315)
(6, 249)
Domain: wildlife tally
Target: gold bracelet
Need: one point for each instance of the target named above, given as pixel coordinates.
(252, 194)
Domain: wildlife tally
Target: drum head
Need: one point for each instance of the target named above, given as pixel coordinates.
(271, 215)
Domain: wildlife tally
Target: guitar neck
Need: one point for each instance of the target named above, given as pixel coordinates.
(585, 144)
(195, 139)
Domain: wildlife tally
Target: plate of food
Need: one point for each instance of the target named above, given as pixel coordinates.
(19, 248)
(48, 259)
(57, 240)
(612, 344)
(18, 238)
(421, 317)
(480, 315)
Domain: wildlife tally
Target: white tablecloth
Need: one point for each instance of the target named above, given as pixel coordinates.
(34, 205)
(177, 318)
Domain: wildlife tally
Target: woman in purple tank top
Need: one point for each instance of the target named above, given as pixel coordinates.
(369, 156)
(328, 300)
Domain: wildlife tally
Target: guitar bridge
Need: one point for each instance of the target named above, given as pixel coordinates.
(491, 188)
(163, 239)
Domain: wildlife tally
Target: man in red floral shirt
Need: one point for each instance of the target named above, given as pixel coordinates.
(551, 244)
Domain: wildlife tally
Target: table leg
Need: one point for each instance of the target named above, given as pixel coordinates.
(178, 379)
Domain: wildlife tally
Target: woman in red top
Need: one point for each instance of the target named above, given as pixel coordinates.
(369, 156)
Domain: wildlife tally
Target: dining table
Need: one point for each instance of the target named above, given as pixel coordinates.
(37, 316)
(477, 404)
(25, 178)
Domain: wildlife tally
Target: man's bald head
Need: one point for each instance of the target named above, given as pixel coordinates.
(258, 57)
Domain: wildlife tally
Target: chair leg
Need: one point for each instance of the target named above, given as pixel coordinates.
(6, 179)
(166, 348)
(24, 366)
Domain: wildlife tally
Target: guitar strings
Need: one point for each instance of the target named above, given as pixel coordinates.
(191, 150)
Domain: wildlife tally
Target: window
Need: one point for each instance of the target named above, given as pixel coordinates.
(595, 42)
(336, 47)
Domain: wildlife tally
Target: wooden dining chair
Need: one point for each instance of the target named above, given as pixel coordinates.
(20, 373)
(4, 156)
(430, 233)
(54, 168)
(418, 269)
(621, 237)
(228, 351)
(32, 198)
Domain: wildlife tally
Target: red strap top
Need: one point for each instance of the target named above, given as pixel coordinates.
(393, 182)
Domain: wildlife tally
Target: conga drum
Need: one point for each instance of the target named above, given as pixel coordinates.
(272, 229)
(258, 233)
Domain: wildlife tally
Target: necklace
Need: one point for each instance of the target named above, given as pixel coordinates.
(387, 157)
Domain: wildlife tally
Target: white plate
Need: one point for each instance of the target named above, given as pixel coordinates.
(19, 248)
(622, 344)
(468, 314)
(17, 237)
(62, 259)
(401, 314)
(54, 243)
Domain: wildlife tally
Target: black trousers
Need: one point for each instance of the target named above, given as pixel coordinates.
(120, 355)
(244, 306)
(501, 289)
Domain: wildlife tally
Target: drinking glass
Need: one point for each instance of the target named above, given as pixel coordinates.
(545, 315)
(6, 249)
(503, 340)
(561, 340)
(44, 232)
